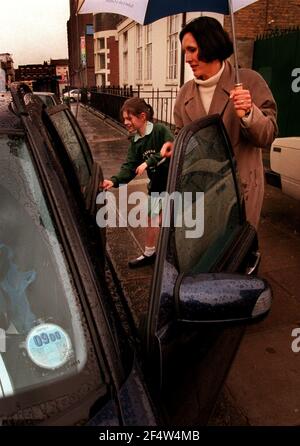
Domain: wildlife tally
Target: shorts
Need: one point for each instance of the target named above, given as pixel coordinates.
(155, 204)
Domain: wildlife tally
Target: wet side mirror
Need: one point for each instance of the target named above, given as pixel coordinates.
(221, 298)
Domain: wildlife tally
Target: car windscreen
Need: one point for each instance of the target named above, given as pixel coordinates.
(41, 332)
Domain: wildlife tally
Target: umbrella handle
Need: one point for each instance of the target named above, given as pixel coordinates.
(241, 113)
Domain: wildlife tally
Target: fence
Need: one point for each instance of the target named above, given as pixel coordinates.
(109, 101)
(277, 58)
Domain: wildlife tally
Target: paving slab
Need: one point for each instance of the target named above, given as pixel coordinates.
(264, 380)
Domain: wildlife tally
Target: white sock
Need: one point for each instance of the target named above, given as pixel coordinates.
(149, 251)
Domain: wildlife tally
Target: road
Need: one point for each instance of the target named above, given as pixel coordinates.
(263, 386)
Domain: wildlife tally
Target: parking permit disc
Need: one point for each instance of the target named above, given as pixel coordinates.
(48, 346)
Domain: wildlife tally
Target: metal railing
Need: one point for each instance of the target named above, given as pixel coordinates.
(109, 101)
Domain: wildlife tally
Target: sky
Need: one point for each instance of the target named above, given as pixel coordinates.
(34, 30)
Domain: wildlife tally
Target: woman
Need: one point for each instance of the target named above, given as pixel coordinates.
(207, 46)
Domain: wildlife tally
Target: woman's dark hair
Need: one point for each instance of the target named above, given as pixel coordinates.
(136, 106)
(213, 41)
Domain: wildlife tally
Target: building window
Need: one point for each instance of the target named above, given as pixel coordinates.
(139, 53)
(102, 61)
(125, 57)
(148, 52)
(101, 44)
(101, 79)
(172, 47)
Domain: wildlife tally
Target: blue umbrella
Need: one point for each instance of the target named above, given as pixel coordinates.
(148, 11)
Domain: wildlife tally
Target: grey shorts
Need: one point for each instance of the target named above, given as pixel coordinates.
(155, 205)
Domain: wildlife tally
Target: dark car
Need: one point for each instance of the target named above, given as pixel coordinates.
(48, 98)
(69, 351)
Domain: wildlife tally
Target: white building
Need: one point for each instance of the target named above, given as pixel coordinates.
(151, 60)
(147, 58)
(150, 56)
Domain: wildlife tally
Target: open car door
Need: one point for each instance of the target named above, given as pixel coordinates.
(203, 277)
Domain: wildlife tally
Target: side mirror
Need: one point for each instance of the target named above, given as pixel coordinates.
(221, 297)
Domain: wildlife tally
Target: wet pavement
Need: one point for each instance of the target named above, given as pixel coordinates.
(263, 386)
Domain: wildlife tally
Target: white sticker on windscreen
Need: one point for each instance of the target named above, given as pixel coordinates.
(48, 346)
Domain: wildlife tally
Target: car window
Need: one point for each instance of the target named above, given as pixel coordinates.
(206, 168)
(42, 337)
(48, 100)
(78, 153)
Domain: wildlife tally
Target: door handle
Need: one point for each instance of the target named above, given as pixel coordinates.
(252, 268)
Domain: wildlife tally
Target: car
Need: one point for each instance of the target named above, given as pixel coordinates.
(70, 353)
(285, 162)
(72, 95)
(48, 98)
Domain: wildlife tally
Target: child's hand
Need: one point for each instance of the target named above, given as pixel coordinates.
(167, 149)
(141, 169)
(106, 184)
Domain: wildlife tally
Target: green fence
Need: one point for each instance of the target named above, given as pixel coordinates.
(277, 59)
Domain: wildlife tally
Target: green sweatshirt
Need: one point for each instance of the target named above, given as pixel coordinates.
(147, 149)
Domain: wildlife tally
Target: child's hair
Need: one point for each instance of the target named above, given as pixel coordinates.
(136, 106)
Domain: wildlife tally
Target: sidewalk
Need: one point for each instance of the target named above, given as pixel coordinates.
(263, 386)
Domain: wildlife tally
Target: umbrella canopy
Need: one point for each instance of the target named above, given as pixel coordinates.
(147, 11)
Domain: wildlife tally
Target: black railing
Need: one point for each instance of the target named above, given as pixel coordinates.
(109, 101)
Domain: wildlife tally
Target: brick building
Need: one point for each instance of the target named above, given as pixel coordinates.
(62, 72)
(81, 48)
(261, 17)
(7, 64)
(42, 77)
(106, 47)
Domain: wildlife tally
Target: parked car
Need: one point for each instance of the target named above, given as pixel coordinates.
(70, 353)
(285, 166)
(72, 95)
(48, 98)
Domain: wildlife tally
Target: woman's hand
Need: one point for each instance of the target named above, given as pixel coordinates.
(106, 184)
(167, 149)
(141, 169)
(241, 99)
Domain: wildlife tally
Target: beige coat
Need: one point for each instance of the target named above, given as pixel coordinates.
(247, 135)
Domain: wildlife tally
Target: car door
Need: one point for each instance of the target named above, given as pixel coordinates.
(205, 235)
(75, 156)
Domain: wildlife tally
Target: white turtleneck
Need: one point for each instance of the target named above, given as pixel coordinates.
(207, 88)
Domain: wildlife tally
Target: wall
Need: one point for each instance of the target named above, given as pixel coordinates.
(265, 15)
(76, 26)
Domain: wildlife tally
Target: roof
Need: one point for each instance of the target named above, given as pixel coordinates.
(59, 61)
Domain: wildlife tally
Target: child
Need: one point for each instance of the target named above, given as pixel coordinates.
(144, 154)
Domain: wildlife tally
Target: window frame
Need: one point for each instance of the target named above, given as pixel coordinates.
(172, 48)
(139, 54)
(148, 53)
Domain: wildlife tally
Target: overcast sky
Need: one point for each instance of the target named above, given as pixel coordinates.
(34, 30)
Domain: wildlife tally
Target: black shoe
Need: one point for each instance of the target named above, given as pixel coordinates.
(142, 261)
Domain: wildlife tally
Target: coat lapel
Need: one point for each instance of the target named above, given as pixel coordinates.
(220, 98)
(193, 104)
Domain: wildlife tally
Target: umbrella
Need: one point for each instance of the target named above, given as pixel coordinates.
(148, 11)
